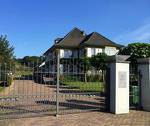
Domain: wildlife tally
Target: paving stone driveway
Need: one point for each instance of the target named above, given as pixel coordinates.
(135, 118)
(26, 98)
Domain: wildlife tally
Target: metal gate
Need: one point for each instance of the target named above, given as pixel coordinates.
(81, 89)
(23, 93)
(135, 87)
(57, 86)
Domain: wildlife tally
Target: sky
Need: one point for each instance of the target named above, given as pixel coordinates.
(32, 25)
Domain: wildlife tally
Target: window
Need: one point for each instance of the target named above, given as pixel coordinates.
(75, 53)
(67, 53)
(93, 51)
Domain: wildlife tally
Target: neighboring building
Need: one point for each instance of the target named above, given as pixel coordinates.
(76, 44)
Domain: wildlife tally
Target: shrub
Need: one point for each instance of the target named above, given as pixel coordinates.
(94, 78)
(6, 79)
(9, 80)
(136, 50)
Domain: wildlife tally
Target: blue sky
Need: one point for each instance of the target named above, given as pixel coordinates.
(32, 25)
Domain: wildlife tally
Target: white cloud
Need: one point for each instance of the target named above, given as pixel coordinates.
(140, 34)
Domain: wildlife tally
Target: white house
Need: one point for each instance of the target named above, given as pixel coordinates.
(77, 44)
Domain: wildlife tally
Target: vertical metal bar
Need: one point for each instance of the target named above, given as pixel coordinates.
(57, 87)
(139, 84)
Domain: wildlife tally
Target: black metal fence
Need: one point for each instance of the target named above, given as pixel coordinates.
(50, 88)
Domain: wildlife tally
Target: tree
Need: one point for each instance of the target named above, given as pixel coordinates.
(6, 60)
(6, 52)
(31, 60)
(99, 62)
(86, 66)
(136, 50)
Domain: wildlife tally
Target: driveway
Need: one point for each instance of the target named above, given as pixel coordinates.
(135, 118)
(25, 98)
(33, 99)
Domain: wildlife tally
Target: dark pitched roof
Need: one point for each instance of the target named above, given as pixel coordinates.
(72, 39)
(77, 38)
(96, 40)
(49, 50)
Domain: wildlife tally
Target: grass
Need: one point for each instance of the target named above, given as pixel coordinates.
(1, 88)
(22, 70)
(23, 73)
(86, 86)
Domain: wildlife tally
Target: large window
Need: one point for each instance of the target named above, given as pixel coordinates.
(67, 53)
(93, 51)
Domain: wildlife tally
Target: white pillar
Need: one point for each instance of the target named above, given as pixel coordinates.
(144, 70)
(119, 84)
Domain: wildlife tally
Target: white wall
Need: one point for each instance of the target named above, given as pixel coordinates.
(65, 53)
(110, 50)
(61, 53)
(99, 50)
(119, 88)
(90, 52)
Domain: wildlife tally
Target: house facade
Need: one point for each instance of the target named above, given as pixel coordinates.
(77, 44)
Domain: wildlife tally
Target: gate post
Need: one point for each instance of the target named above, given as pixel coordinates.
(119, 84)
(144, 71)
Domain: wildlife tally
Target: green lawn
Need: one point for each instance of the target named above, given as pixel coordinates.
(86, 86)
(23, 73)
(1, 88)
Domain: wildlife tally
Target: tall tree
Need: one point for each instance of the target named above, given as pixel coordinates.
(6, 51)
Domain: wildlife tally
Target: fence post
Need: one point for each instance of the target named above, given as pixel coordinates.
(57, 85)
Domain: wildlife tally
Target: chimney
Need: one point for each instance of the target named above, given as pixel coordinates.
(83, 33)
(57, 40)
